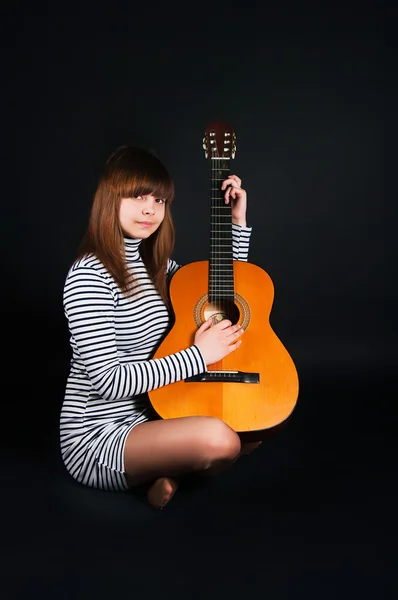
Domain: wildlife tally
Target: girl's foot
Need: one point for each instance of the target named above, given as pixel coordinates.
(162, 491)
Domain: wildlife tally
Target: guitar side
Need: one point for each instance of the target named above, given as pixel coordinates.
(246, 407)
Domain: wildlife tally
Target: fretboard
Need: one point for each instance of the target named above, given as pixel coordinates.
(221, 271)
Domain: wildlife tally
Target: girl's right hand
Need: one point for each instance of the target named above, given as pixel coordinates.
(217, 341)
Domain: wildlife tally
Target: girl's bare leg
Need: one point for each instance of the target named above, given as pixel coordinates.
(246, 448)
(160, 451)
(163, 489)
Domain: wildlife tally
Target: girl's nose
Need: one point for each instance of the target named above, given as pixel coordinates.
(149, 208)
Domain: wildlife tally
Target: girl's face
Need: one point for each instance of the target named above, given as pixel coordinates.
(140, 217)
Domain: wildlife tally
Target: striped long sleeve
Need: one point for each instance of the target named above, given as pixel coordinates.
(90, 308)
(240, 242)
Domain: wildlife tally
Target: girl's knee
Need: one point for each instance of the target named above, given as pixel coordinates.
(222, 442)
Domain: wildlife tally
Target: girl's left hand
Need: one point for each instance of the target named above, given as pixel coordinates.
(237, 196)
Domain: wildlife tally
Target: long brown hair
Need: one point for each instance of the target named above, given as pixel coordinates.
(130, 172)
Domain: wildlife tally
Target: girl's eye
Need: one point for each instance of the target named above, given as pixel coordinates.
(158, 200)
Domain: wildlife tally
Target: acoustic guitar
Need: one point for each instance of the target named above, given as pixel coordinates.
(255, 387)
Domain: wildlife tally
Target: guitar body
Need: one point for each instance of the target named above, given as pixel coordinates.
(246, 407)
(255, 388)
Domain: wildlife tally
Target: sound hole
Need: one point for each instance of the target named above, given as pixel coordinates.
(239, 313)
(220, 310)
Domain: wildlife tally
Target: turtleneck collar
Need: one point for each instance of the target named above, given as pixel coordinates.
(132, 246)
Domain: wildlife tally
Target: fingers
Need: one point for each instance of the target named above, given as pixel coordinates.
(206, 325)
(237, 179)
(219, 340)
(232, 180)
(234, 346)
(233, 189)
(232, 192)
(224, 324)
(235, 328)
(220, 324)
(236, 333)
(228, 328)
(232, 333)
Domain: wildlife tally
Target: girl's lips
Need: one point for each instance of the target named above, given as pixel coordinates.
(145, 223)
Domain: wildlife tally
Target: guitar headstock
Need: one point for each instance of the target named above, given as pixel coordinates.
(219, 141)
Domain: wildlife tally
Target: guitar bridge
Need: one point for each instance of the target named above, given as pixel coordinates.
(224, 377)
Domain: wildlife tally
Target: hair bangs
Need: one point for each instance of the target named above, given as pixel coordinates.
(145, 187)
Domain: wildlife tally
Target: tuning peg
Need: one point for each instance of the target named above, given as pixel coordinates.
(205, 148)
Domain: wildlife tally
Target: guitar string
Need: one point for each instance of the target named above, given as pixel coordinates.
(216, 249)
(220, 279)
(217, 235)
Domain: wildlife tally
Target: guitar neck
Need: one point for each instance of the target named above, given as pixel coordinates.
(221, 272)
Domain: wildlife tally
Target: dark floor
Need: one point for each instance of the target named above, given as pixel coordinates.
(311, 514)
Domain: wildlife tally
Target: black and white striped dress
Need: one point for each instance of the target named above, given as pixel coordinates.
(112, 339)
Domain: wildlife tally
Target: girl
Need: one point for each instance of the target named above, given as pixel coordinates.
(117, 308)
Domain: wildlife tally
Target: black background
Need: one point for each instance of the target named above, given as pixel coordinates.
(310, 91)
